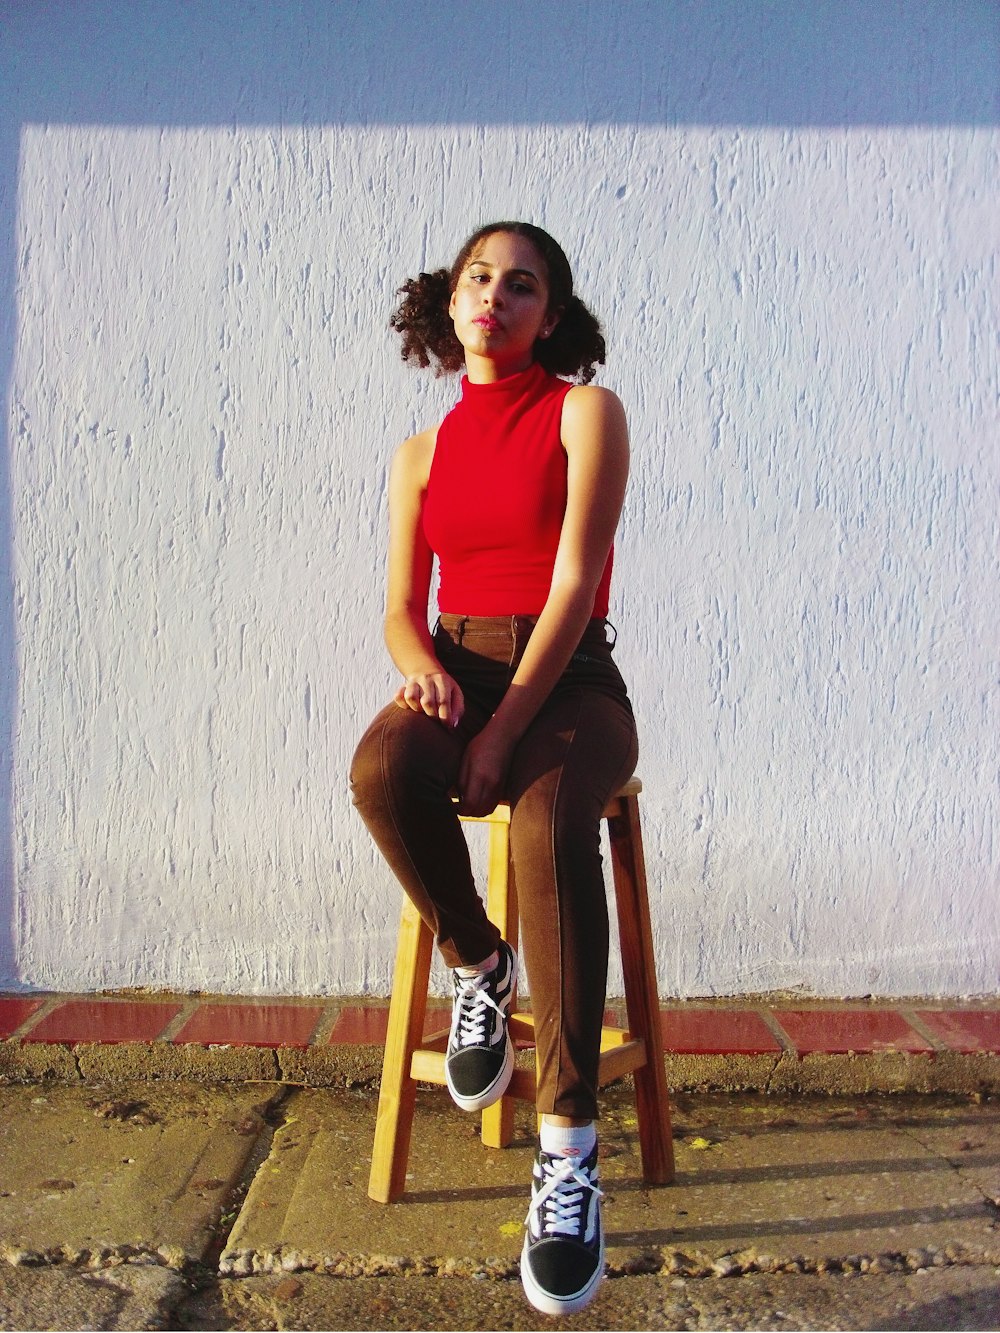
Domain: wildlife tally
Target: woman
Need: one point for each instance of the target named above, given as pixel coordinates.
(514, 695)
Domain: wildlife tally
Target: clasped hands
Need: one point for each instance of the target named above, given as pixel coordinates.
(486, 758)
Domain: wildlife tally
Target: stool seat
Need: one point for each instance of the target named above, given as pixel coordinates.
(410, 1057)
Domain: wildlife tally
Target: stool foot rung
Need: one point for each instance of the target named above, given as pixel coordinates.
(427, 1067)
(624, 1059)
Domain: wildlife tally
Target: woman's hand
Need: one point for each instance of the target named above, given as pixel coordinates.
(483, 772)
(435, 693)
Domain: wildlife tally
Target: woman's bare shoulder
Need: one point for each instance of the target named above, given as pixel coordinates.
(590, 409)
(592, 395)
(412, 459)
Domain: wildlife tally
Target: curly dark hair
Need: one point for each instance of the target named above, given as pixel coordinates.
(574, 347)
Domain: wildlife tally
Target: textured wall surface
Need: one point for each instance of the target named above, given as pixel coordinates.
(791, 235)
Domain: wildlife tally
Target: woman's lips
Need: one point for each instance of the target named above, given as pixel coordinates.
(487, 322)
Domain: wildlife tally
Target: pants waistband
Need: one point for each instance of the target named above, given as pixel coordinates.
(462, 627)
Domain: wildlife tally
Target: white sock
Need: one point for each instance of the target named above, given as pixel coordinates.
(480, 969)
(568, 1140)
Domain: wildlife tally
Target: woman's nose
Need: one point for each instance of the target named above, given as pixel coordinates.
(492, 295)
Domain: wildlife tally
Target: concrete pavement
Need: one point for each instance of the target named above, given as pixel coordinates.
(185, 1205)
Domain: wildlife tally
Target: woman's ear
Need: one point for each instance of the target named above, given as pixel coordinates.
(548, 328)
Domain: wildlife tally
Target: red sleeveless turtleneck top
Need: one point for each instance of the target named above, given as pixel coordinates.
(496, 496)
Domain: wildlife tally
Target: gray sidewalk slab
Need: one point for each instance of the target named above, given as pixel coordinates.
(761, 1184)
(130, 1296)
(183, 1205)
(97, 1175)
(951, 1298)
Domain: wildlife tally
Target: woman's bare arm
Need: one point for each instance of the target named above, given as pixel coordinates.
(426, 687)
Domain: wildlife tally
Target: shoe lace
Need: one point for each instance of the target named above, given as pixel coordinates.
(557, 1205)
(473, 1000)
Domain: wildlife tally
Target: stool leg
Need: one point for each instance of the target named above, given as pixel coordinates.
(501, 908)
(641, 998)
(398, 1091)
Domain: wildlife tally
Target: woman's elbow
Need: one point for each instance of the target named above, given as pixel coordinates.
(575, 590)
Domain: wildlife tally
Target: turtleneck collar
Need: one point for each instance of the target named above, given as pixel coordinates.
(506, 389)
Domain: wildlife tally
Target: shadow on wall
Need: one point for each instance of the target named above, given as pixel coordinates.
(837, 63)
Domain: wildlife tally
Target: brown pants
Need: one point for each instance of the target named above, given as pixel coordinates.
(579, 749)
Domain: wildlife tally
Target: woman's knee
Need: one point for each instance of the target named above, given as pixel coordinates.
(366, 766)
(403, 749)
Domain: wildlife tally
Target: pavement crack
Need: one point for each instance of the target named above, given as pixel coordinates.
(272, 1116)
(962, 1172)
(772, 1071)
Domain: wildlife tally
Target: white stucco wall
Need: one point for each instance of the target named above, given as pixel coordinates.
(794, 251)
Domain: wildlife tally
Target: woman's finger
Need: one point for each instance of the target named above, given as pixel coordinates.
(410, 694)
(436, 696)
(457, 705)
(450, 704)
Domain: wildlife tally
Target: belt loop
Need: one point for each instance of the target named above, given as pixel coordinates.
(608, 625)
(461, 629)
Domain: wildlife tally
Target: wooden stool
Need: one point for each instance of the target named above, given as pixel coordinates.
(409, 1058)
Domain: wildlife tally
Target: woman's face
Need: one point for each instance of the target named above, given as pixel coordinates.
(500, 305)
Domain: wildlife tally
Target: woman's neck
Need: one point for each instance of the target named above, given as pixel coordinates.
(485, 370)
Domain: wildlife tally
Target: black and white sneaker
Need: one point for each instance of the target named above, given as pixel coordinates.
(562, 1262)
(480, 1058)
